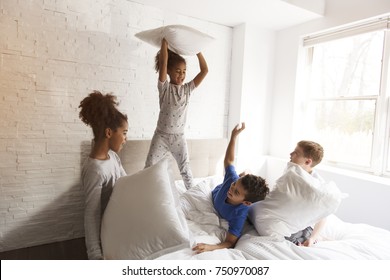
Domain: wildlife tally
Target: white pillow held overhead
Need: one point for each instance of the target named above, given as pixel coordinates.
(143, 219)
(182, 39)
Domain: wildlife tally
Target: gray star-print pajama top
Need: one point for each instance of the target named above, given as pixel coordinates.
(169, 134)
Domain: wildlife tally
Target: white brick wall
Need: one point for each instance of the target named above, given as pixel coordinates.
(52, 54)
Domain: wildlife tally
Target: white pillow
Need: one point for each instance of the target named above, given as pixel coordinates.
(197, 203)
(143, 219)
(298, 200)
(183, 40)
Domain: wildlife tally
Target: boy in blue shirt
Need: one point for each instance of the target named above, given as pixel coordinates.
(233, 197)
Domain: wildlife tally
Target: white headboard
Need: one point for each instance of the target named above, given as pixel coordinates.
(206, 156)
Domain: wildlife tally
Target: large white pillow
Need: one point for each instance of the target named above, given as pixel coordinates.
(143, 219)
(298, 200)
(183, 40)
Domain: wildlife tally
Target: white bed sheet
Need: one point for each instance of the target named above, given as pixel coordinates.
(345, 240)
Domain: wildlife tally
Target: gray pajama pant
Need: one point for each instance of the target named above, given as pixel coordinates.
(176, 144)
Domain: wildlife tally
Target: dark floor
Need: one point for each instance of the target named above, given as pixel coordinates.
(65, 250)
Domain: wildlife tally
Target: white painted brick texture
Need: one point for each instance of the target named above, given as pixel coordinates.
(52, 54)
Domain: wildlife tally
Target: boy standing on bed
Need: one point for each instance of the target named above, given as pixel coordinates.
(233, 197)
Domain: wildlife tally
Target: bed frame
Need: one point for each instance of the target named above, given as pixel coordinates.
(206, 156)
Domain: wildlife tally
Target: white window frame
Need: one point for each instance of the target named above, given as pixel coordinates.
(381, 135)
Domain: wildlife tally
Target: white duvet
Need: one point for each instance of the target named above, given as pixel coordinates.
(344, 240)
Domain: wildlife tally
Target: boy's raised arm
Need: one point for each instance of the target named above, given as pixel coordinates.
(230, 151)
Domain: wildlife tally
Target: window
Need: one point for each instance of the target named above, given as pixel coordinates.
(344, 103)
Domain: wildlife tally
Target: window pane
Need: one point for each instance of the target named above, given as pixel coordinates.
(344, 129)
(347, 67)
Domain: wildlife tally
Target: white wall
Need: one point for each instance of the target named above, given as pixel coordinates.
(368, 198)
(52, 54)
(250, 101)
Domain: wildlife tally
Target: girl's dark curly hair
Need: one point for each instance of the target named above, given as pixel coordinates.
(100, 112)
(255, 186)
(173, 59)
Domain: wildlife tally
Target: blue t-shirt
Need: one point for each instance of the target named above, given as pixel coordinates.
(234, 214)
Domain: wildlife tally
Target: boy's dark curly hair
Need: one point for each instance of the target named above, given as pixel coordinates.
(255, 186)
(100, 112)
(173, 59)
